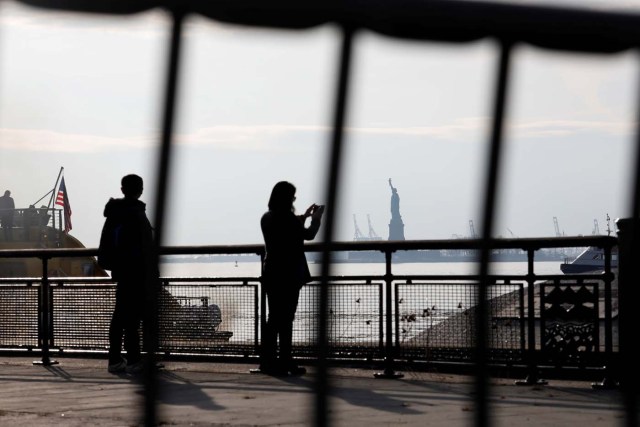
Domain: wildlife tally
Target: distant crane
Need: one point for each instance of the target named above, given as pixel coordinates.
(596, 228)
(372, 233)
(555, 224)
(608, 225)
(472, 229)
(511, 232)
(358, 234)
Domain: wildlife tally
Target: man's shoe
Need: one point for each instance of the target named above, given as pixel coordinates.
(135, 368)
(118, 367)
(275, 371)
(297, 370)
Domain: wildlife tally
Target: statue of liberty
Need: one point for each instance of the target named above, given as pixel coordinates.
(396, 227)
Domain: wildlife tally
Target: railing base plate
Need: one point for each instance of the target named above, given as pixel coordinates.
(531, 381)
(46, 362)
(605, 384)
(388, 375)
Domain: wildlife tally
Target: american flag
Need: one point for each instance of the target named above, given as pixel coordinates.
(62, 199)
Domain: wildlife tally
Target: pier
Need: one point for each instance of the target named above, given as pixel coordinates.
(80, 392)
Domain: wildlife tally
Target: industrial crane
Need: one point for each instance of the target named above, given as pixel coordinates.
(358, 234)
(372, 233)
(472, 230)
(555, 224)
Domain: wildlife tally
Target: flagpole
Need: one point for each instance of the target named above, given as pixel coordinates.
(53, 192)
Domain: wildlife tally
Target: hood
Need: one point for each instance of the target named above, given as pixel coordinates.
(120, 207)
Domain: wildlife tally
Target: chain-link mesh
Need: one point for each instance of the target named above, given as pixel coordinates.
(211, 318)
(436, 321)
(19, 316)
(354, 320)
(81, 315)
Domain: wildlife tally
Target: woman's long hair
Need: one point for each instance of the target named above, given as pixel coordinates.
(282, 197)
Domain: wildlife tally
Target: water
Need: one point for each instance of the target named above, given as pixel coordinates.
(252, 269)
(354, 315)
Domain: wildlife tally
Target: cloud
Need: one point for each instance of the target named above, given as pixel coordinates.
(288, 137)
(250, 137)
(536, 129)
(51, 141)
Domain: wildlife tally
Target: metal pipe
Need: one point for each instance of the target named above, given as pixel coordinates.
(163, 172)
(339, 120)
(491, 190)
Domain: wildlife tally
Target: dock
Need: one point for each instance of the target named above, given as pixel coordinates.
(80, 392)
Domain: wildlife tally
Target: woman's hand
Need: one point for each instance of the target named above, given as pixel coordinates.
(317, 212)
(309, 211)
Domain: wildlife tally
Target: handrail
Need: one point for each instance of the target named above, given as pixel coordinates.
(382, 246)
(552, 27)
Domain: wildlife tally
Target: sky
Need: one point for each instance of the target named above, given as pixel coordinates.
(85, 92)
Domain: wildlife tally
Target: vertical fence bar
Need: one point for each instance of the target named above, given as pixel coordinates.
(493, 166)
(381, 316)
(44, 331)
(388, 315)
(628, 294)
(609, 381)
(151, 314)
(263, 303)
(339, 119)
(532, 368)
(628, 278)
(256, 317)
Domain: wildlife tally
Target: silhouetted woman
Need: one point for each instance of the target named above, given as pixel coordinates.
(285, 272)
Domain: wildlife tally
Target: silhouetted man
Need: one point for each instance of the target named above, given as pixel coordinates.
(7, 207)
(131, 245)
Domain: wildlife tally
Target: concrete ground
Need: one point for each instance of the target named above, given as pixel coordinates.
(80, 392)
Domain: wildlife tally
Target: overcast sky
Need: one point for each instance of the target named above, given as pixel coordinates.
(85, 92)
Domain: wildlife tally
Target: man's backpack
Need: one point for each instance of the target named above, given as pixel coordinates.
(109, 244)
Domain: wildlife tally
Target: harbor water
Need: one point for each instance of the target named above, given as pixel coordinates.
(354, 309)
(252, 269)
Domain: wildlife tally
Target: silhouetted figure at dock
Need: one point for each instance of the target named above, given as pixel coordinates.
(7, 208)
(126, 249)
(396, 226)
(285, 272)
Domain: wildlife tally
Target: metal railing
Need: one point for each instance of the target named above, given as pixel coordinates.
(383, 319)
(28, 224)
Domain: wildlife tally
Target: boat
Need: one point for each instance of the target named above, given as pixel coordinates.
(591, 260)
(43, 228)
(48, 228)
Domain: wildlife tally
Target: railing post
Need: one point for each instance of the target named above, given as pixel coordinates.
(45, 312)
(629, 316)
(389, 348)
(532, 377)
(263, 315)
(608, 382)
(263, 307)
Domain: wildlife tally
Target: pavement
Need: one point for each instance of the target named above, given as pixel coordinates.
(80, 392)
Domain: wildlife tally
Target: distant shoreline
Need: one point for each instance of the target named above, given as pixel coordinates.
(208, 258)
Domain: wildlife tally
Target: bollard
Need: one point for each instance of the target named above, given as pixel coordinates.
(628, 315)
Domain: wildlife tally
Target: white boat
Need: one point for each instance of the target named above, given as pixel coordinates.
(589, 261)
